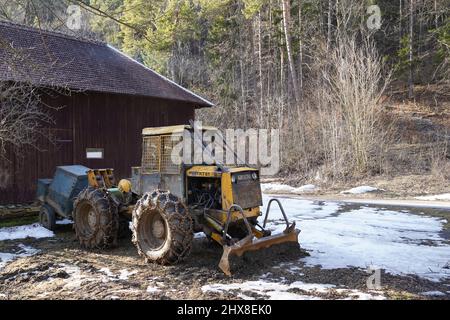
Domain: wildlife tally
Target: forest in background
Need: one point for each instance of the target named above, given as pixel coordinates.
(327, 73)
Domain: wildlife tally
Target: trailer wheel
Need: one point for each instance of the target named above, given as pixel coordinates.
(47, 217)
(95, 219)
(162, 228)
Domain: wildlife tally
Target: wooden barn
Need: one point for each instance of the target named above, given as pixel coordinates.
(99, 122)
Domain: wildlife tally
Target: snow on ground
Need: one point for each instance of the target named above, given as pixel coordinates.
(199, 235)
(282, 291)
(124, 274)
(399, 242)
(433, 293)
(151, 289)
(438, 197)
(284, 188)
(34, 230)
(64, 222)
(24, 251)
(361, 190)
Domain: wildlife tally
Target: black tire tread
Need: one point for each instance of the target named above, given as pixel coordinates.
(179, 220)
(106, 235)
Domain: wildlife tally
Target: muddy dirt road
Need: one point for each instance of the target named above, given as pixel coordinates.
(338, 243)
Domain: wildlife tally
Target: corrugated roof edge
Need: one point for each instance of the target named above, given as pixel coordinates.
(209, 103)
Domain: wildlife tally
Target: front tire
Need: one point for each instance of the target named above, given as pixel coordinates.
(95, 219)
(162, 228)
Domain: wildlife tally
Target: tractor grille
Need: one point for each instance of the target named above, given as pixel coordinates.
(247, 193)
(157, 154)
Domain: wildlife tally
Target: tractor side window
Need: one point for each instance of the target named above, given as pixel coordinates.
(157, 154)
(167, 145)
(150, 154)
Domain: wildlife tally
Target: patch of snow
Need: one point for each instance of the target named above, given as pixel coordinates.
(24, 251)
(151, 289)
(305, 188)
(284, 188)
(64, 222)
(245, 297)
(433, 293)
(125, 274)
(34, 230)
(438, 197)
(276, 187)
(75, 276)
(365, 296)
(300, 209)
(366, 236)
(107, 271)
(274, 291)
(312, 286)
(280, 291)
(199, 235)
(361, 190)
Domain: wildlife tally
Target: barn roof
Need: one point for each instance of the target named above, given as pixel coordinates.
(49, 58)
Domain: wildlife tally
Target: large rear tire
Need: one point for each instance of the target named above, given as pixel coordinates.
(162, 228)
(96, 219)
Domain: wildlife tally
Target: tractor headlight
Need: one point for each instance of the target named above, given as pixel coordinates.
(233, 179)
(254, 176)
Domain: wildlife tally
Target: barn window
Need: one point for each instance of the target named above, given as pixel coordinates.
(94, 153)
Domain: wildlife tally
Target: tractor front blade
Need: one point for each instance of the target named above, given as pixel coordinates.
(249, 243)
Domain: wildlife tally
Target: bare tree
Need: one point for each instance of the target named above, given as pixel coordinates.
(22, 116)
(287, 32)
(350, 107)
(410, 55)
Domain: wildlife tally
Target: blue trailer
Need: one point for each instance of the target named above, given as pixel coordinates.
(57, 195)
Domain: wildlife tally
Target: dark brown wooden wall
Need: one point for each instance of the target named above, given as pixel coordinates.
(89, 120)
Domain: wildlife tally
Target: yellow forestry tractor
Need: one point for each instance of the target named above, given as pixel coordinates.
(167, 203)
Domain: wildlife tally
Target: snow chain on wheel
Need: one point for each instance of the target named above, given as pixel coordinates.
(162, 228)
(96, 219)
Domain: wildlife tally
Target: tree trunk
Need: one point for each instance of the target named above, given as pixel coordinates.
(300, 49)
(400, 18)
(260, 68)
(286, 26)
(436, 23)
(242, 68)
(330, 5)
(411, 39)
(282, 85)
